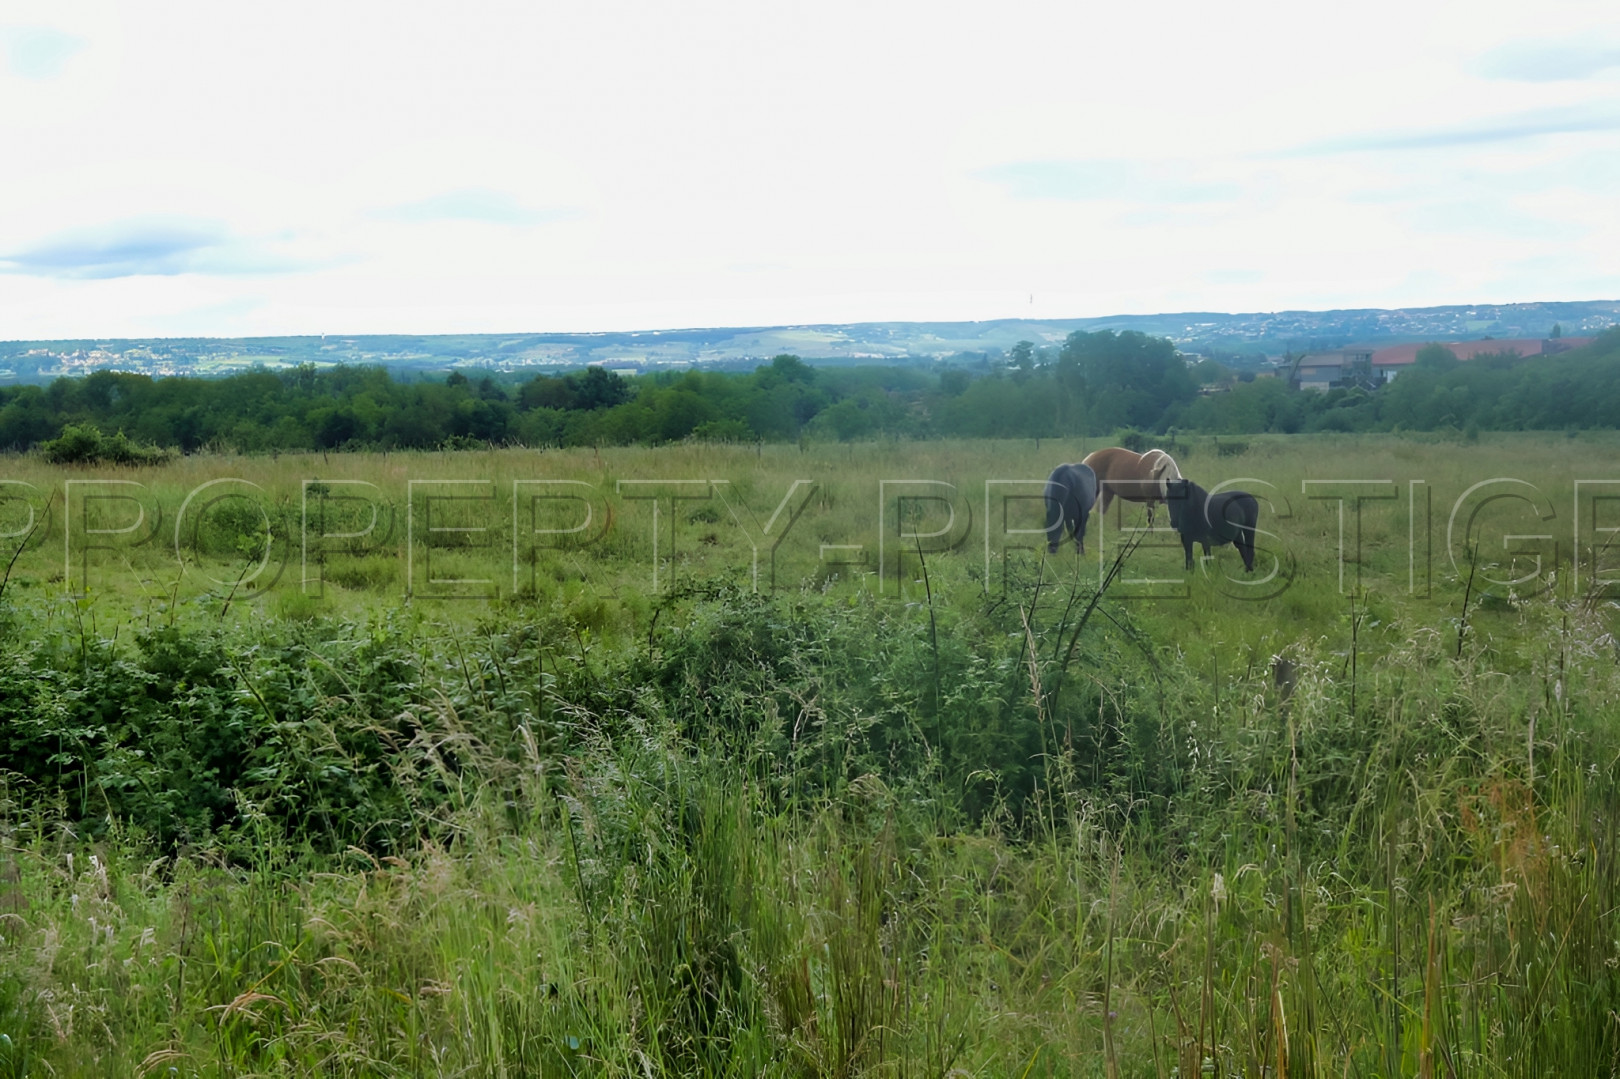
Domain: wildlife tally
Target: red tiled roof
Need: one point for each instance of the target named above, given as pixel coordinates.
(1400, 355)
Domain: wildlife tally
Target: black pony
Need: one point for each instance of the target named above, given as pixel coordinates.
(1227, 517)
(1071, 490)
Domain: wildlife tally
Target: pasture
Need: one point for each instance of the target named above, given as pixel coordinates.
(1389, 517)
(808, 760)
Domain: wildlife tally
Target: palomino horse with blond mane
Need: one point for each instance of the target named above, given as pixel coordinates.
(1135, 477)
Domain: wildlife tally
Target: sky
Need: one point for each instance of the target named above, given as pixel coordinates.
(206, 169)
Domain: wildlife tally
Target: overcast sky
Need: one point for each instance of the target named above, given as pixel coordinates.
(227, 169)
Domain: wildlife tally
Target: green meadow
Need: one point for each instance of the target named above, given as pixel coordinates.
(807, 760)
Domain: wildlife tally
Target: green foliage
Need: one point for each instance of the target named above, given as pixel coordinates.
(1128, 379)
(1095, 383)
(86, 445)
(359, 408)
(1021, 361)
(1211, 372)
(827, 832)
(805, 836)
(195, 734)
(785, 369)
(1436, 357)
(1579, 388)
(1133, 440)
(954, 382)
(234, 530)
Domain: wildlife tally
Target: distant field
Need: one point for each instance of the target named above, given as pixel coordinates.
(1339, 510)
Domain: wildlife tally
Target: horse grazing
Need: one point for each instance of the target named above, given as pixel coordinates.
(1218, 519)
(1135, 477)
(1070, 492)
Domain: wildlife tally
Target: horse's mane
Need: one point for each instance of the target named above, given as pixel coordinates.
(1162, 468)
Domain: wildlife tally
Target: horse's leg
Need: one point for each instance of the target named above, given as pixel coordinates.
(1057, 514)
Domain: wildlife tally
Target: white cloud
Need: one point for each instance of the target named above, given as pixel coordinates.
(1550, 61)
(38, 52)
(475, 204)
(369, 167)
(1105, 179)
(1564, 120)
(146, 247)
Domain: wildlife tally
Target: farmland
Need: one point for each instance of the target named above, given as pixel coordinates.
(803, 760)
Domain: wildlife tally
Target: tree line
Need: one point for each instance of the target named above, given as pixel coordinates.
(1579, 389)
(1093, 384)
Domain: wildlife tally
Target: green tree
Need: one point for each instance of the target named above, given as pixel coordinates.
(600, 388)
(785, 368)
(1437, 357)
(1127, 379)
(953, 382)
(546, 391)
(1022, 361)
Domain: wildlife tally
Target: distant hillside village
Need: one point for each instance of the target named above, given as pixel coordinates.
(1368, 367)
(1237, 342)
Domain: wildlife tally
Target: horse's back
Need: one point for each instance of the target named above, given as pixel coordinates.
(1234, 516)
(1115, 462)
(1233, 512)
(1078, 481)
(1124, 473)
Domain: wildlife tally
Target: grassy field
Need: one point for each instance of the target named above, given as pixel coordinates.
(1340, 510)
(783, 760)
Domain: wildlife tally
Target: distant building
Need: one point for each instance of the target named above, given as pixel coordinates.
(1325, 370)
(1367, 367)
(1389, 362)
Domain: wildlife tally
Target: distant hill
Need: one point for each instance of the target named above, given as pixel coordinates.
(1237, 338)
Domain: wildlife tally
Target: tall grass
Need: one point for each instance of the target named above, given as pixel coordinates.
(825, 833)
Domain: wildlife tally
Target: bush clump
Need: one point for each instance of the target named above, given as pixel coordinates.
(84, 444)
(1133, 440)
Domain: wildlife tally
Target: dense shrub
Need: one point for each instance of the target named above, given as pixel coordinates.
(339, 735)
(1133, 440)
(192, 733)
(84, 444)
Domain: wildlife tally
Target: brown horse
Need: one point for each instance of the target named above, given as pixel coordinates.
(1135, 477)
